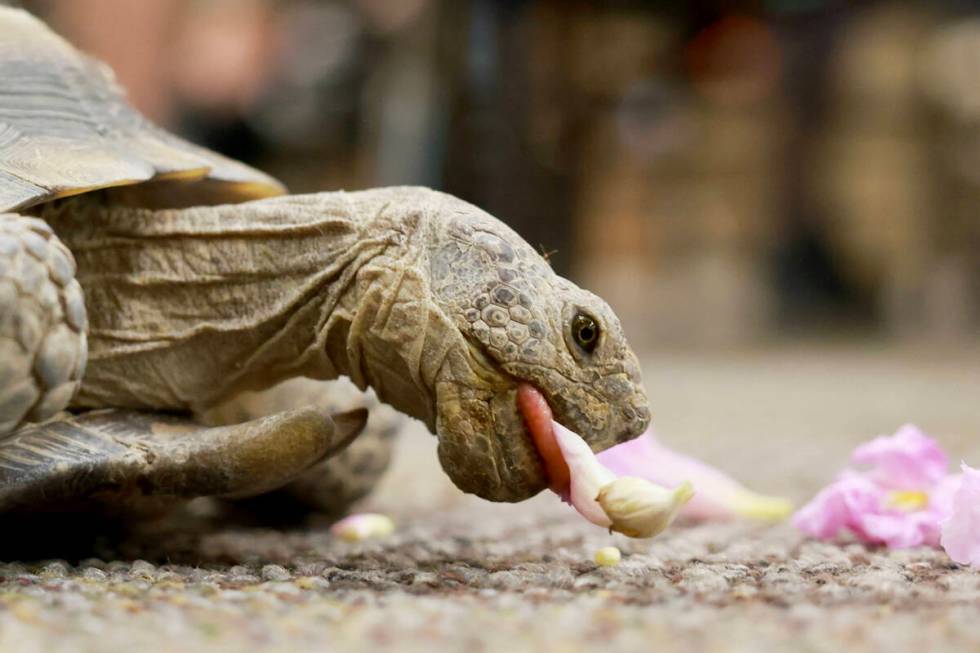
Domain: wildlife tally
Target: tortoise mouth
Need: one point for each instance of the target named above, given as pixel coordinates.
(515, 458)
(496, 438)
(538, 416)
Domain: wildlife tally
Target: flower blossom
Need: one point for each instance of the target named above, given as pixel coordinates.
(902, 497)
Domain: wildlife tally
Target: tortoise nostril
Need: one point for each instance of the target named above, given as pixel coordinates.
(642, 419)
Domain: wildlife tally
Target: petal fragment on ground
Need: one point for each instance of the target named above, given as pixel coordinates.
(363, 526)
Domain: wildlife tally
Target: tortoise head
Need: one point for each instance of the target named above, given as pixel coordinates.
(519, 322)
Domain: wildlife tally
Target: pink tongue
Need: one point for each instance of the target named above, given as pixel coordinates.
(537, 416)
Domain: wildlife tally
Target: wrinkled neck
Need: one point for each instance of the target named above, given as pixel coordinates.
(190, 306)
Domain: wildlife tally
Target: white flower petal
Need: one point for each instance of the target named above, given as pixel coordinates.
(632, 506)
(638, 508)
(587, 475)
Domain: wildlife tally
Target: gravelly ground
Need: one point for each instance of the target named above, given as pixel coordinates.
(461, 573)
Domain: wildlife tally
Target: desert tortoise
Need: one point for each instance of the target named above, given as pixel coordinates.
(144, 280)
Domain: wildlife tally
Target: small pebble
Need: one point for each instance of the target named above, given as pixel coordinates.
(275, 573)
(142, 569)
(311, 582)
(363, 526)
(55, 569)
(95, 574)
(608, 556)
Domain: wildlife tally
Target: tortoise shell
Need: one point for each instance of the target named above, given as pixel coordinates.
(66, 129)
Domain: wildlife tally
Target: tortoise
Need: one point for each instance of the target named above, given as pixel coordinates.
(145, 281)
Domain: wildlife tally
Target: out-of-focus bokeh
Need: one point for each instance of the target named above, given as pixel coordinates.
(722, 172)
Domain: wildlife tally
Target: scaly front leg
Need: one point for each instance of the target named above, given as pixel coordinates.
(334, 485)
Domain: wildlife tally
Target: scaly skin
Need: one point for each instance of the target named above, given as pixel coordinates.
(42, 323)
(435, 304)
(334, 485)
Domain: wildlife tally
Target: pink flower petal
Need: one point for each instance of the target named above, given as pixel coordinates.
(897, 530)
(961, 531)
(943, 495)
(587, 475)
(718, 495)
(855, 503)
(838, 506)
(906, 460)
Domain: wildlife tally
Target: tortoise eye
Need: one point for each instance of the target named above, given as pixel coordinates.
(585, 331)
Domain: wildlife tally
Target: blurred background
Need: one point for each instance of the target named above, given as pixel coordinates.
(723, 172)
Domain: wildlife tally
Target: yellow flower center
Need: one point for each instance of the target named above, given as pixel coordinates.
(908, 500)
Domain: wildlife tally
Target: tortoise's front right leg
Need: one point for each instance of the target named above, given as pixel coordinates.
(334, 485)
(42, 323)
(127, 461)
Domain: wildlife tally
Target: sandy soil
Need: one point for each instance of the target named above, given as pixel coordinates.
(463, 574)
